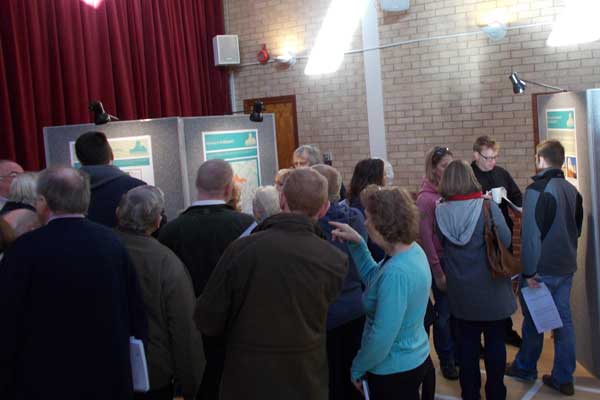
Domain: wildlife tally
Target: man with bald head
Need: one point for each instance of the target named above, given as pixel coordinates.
(70, 300)
(199, 236)
(269, 296)
(8, 171)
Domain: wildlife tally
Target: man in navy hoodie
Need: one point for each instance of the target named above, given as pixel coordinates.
(345, 318)
(108, 183)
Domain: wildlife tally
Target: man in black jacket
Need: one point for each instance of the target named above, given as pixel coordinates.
(199, 236)
(489, 175)
(70, 300)
(108, 183)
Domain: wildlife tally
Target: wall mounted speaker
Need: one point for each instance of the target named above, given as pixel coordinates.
(395, 5)
(226, 49)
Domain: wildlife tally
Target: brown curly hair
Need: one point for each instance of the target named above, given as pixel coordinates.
(392, 213)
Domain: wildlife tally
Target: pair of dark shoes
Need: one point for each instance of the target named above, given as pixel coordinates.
(449, 371)
(566, 388)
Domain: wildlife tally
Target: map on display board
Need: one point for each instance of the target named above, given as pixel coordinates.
(133, 155)
(240, 149)
(561, 126)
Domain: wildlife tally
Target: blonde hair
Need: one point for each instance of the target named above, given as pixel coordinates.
(334, 180)
(459, 179)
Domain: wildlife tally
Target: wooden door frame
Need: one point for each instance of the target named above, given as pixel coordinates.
(276, 100)
(534, 109)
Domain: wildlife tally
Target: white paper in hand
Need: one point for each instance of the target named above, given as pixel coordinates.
(139, 368)
(365, 386)
(542, 309)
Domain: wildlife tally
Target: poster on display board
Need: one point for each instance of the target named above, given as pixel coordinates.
(132, 155)
(240, 149)
(561, 127)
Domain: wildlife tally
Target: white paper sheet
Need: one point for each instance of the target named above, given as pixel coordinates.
(365, 386)
(542, 308)
(139, 368)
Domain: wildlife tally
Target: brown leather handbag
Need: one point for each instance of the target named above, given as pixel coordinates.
(503, 264)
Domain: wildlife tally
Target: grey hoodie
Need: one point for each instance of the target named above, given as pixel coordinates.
(472, 293)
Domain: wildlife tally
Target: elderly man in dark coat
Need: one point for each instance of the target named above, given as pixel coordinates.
(69, 301)
(174, 349)
(270, 294)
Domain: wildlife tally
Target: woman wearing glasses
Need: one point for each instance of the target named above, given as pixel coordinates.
(436, 161)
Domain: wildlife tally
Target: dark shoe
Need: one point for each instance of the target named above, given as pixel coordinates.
(449, 372)
(513, 339)
(514, 372)
(566, 388)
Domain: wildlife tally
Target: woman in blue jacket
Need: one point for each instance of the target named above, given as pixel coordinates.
(394, 354)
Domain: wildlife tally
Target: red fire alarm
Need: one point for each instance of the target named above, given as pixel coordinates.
(263, 55)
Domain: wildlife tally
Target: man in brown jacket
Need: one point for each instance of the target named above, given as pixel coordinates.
(270, 294)
(174, 348)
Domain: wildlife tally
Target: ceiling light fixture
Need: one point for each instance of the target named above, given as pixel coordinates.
(577, 24)
(335, 35)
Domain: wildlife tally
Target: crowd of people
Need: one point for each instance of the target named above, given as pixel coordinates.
(320, 294)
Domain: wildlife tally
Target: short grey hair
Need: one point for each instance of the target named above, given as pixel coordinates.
(23, 188)
(265, 203)
(140, 207)
(214, 175)
(66, 190)
(334, 181)
(310, 152)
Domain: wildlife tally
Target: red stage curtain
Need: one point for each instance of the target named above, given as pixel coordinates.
(141, 58)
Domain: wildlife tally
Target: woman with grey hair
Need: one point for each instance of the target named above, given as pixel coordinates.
(264, 204)
(174, 349)
(22, 193)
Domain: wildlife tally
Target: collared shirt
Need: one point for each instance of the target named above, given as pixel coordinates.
(207, 203)
(61, 216)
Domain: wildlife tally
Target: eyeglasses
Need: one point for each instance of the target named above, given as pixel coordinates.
(10, 175)
(488, 158)
(439, 153)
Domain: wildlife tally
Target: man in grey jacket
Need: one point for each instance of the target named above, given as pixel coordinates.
(552, 220)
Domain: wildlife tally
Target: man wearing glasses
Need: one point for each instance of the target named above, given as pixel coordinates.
(8, 171)
(489, 175)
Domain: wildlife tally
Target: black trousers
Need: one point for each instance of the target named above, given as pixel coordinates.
(494, 358)
(404, 385)
(214, 351)
(343, 343)
(165, 393)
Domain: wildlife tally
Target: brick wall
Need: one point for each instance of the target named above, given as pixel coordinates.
(446, 91)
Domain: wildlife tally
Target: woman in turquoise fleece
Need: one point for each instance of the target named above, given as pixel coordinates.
(394, 354)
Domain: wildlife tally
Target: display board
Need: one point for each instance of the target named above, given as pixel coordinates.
(574, 119)
(167, 152)
(250, 147)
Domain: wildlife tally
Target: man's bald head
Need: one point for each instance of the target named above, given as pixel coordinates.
(214, 180)
(305, 192)
(8, 170)
(65, 190)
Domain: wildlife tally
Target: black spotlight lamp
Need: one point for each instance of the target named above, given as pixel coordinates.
(100, 114)
(519, 84)
(257, 109)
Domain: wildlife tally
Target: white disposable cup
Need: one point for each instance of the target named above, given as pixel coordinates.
(497, 194)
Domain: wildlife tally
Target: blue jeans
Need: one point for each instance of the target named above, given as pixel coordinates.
(442, 334)
(564, 338)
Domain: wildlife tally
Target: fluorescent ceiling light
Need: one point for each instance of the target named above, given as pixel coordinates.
(342, 19)
(577, 24)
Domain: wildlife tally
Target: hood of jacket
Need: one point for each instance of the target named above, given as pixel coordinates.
(457, 219)
(101, 174)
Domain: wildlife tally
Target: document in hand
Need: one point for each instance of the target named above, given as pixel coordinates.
(139, 368)
(542, 308)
